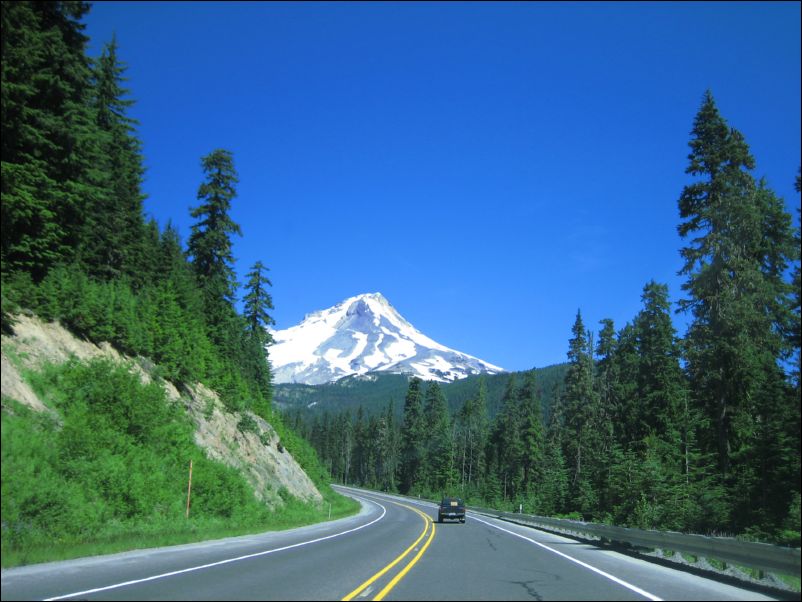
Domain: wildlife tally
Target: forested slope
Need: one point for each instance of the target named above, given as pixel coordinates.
(106, 465)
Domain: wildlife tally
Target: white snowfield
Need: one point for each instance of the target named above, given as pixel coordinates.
(364, 334)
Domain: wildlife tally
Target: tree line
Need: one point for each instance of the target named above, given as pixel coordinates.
(651, 430)
(76, 245)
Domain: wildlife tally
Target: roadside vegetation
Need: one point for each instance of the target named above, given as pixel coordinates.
(109, 471)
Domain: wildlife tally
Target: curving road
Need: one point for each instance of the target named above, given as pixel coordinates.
(392, 550)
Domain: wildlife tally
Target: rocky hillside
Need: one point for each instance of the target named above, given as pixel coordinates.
(256, 453)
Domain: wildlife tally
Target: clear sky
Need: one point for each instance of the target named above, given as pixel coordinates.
(490, 168)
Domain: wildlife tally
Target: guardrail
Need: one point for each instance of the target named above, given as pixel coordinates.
(762, 556)
(727, 549)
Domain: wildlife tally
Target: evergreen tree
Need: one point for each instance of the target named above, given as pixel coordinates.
(113, 240)
(661, 387)
(507, 441)
(553, 489)
(471, 431)
(342, 439)
(172, 266)
(389, 450)
(580, 417)
(210, 241)
(625, 402)
(413, 432)
(656, 489)
(255, 367)
(361, 453)
(257, 302)
(607, 374)
(608, 408)
(321, 440)
(532, 436)
(439, 462)
(371, 445)
(555, 478)
(151, 257)
(50, 140)
(734, 264)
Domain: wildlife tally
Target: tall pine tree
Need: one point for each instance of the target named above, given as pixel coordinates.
(661, 386)
(210, 246)
(506, 442)
(740, 245)
(389, 450)
(413, 433)
(471, 432)
(257, 301)
(579, 419)
(113, 241)
(439, 442)
(532, 435)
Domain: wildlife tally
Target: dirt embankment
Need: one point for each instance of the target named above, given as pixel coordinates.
(258, 455)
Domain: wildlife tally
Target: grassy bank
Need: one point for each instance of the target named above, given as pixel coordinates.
(106, 472)
(121, 537)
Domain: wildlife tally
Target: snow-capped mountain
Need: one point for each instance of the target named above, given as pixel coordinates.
(364, 334)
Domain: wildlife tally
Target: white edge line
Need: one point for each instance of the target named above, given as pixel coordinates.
(221, 562)
(629, 586)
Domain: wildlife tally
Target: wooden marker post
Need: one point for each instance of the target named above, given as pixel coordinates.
(189, 487)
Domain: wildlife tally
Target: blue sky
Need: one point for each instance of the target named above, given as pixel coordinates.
(490, 168)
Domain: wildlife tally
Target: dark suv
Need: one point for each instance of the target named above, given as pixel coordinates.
(451, 507)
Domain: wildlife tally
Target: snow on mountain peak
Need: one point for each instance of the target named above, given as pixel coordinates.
(364, 334)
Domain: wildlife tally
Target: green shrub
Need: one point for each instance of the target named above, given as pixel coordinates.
(247, 424)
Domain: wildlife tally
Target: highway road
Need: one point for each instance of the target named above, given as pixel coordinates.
(392, 550)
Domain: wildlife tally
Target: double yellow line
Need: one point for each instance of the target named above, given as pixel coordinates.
(380, 596)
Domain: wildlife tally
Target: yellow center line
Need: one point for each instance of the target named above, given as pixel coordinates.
(412, 562)
(427, 521)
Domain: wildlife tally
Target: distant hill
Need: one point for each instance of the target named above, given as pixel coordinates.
(374, 391)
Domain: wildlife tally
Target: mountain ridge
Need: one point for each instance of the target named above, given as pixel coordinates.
(361, 335)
